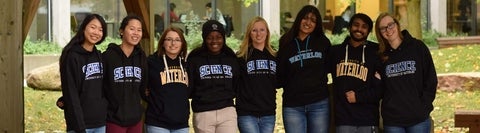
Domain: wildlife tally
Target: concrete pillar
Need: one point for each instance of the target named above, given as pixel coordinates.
(61, 22)
(271, 13)
(438, 15)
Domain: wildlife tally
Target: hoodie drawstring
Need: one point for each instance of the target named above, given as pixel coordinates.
(298, 48)
(363, 53)
(168, 71)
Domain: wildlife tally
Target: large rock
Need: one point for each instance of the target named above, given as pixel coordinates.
(452, 82)
(45, 78)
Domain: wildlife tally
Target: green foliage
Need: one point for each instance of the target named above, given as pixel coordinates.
(247, 3)
(40, 47)
(429, 37)
(233, 43)
(104, 45)
(46, 47)
(275, 41)
(194, 37)
(336, 39)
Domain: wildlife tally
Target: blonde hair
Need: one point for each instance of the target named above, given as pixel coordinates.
(247, 40)
(382, 42)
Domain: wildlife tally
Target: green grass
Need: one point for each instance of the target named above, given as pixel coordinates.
(445, 105)
(41, 114)
(457, 59)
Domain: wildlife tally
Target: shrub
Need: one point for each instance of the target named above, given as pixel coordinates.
(46, 47)
(429, 38)
(275, 41)
(104, 45)
(194, 37)
(40, 47)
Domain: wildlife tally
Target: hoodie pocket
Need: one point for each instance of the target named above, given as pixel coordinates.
(94, 110)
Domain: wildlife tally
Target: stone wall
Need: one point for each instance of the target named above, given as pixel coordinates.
(35, 61)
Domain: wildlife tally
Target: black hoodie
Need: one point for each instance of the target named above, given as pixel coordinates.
(82, 76)
(410, 83)
(212, 78)
(302, 70)
(356, 74)
(125, 80)
(168, 105)
(257, 98)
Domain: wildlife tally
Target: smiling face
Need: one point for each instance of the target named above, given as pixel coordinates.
(214, 42)
(359, 30)
(259, 33)
(389, 29)
(172, 44)
(93, 32)
(132, 34)
(308, 23)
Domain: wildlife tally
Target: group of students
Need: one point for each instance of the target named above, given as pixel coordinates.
(103, 92)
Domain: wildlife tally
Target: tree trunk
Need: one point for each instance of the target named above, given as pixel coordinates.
(11, 72)
(414, 18)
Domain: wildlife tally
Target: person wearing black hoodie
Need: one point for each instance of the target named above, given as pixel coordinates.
(409, 78)
(125, 79)
(214, 75)
(302, 72)
(168, 106)
(256, 103)
(353, 65)
(81, 75)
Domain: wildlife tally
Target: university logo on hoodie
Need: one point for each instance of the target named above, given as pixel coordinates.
(215, 71)
(92, 70)
(120, 73)
(261, 67)
(352, 69)
(400, 68)
(173, 74)
(304, 55)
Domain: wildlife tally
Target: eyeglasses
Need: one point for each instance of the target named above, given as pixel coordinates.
(389, 26)
(172, 40)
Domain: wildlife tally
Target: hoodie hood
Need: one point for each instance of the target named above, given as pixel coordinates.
(347, 44)
(203, 51)
(118, 50)
(406, 40)
(80, 50)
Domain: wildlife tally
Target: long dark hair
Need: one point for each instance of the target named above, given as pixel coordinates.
(293, 32)
(79, 37)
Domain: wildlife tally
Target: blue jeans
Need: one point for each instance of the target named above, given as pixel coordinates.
(253, 124)
(92, 130)
(422, 127)
(311, 118)
(155, 129)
